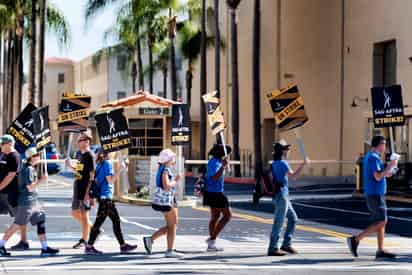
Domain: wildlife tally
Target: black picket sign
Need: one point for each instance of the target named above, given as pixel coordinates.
(113, 131)
(22, 128)
(181, 125)
(387, 106)
(41, 127)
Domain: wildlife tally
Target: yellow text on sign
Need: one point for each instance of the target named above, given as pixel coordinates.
(289, 110)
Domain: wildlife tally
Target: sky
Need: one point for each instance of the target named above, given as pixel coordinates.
(85, 41)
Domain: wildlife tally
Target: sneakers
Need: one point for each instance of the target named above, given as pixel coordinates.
(3, 252)
(21, 246)
(173, 254)
(211, 246)
(81, 243)
(384, 255)
(127, 248)
(276, 253)
(148, 243)
(49, 252)
(289, 249)
(90, 250)
(353, 245)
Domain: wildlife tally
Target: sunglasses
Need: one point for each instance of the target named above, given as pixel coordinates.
(83, 139)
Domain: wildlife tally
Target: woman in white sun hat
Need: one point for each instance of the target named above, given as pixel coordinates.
(164, 201)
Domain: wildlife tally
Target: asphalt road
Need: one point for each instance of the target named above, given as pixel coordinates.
(328, 214)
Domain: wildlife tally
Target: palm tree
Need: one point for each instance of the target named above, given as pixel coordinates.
(217, 47)
(203, 82)
(172, 35)
(43, 6)
(257, 133)
(33, 42)
(233, 4)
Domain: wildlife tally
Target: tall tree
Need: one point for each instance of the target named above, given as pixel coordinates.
(257, 133)
(217, 47)
(172, 36)
(42, 38)
(33, 59)
(203, 82)
(233, 4)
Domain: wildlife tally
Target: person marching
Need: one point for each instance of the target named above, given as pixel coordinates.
(105, 179)
(164, 201)
(84, 171)
(374, 179)
(281, 172)
(220, 213)
(27, 209)
(9, 188)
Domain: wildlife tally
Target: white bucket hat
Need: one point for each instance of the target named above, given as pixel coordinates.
(166, 155)
(31, 152)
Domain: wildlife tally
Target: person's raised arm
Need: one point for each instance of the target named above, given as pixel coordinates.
(387, 173)
(295, 174)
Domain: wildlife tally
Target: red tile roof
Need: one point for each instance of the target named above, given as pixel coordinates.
(139, 97)
(59, 60)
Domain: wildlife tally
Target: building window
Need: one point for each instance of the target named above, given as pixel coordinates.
(147, 136)
(384, 63)
(121, 95)
(121, 63)
(60, 79)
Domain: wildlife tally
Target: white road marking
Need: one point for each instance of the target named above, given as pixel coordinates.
(137, 224)
(214, 267)
(346, 211)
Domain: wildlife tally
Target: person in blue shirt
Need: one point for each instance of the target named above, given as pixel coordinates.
(164, 201)
(214, 197)
(374, 180)
(281, 171)
(105, 178)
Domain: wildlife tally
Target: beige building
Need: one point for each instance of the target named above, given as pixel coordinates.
(335, 50)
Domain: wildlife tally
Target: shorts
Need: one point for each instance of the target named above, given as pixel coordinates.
(26, 214)
(215, 200)
(164, 208)
(377, 207)
(80, 205)
(5, 207)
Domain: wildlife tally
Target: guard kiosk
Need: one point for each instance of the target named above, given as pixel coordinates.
(150, 121)
(401, 183)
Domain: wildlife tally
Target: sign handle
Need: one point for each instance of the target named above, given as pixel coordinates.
(69, 148)
(44, 156)
(222, 137)
(301, 145)
(391, 139)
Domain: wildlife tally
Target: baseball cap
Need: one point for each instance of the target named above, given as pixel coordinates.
(85, 134)
(281, 145)
(31, 152)
(7, 139)
(377, 140)
(166, 155)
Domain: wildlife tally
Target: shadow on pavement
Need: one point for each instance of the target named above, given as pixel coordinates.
(313, 261)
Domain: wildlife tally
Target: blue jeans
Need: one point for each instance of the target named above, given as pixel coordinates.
(283, 209)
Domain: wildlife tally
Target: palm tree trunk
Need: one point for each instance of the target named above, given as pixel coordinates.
(150, 46)
(217, 48)
(256, 92)
(173, 75)
(1, 79)
(33, 39)
(164, 82)
(235, 90)
(134, 75)
(43, 5)
(203, 83)
(10, 77)
(139, 59)
(6, 73)
(189, 85)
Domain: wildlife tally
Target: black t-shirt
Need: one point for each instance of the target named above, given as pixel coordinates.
(10, 163)
(85, 166)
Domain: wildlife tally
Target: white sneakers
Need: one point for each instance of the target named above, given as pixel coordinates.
(173, 254)
(211, 246)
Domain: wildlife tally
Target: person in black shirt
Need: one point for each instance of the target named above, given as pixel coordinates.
(9, 188)
(84, 174)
